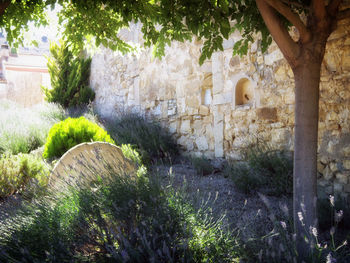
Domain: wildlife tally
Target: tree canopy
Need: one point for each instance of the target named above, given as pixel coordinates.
(162, 21)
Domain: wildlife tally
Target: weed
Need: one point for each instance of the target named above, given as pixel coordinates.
(149, 138)
(116, 218)
(25, 129)
(202, 165)
(279, 245)
(264, 167)
(244, 178)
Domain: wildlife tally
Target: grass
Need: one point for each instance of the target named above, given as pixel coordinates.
(116, 218)
(25, 129)
(152, 141)
(279, 245)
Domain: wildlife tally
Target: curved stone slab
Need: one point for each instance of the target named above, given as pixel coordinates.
(89, 160)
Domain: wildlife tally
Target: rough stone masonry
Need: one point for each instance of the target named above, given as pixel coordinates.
(218, 108)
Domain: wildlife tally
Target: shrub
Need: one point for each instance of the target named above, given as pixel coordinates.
(17, 171)
(264, 167)
(244, 178)
(119, 218)
(202, 165)
(149, 138)
(69, 77)
(70, 132)
(25, 129)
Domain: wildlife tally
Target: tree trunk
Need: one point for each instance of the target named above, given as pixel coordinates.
(307, 79)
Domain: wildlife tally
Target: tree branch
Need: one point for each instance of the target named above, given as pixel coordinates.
(319, 9)
(292, 17)
(333, 6)
(3, 7)
(296, 4)
(344, 14)
(279, 33)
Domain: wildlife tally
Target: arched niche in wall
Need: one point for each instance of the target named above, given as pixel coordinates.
(207, 96)
(244, 93)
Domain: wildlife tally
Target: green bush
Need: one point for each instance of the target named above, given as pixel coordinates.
(119, 218)
(69, 77)
(25, 129)
(70, 132)
(264, 167)
(244, 178)
(17, 171)
(148, 137)
(202, 165)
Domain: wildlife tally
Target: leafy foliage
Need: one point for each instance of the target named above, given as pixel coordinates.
(162, 21)
(117, 218)
(69, 77)
(148, 137)
(17, 171)
(70, 132)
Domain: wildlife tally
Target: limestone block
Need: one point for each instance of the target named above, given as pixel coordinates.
(347, 188)
(333, 166)
(172, 127)
(208, 80)
(346, 151)
(222, 98)
(234, 61)
(228, 44)
(327, 173)
(185, 127)
(202, 143)
(218, 132)
(281, 136)
(206, 67)
(342, 177)
(209, 130)
(254, 47)
(191, 111)
(289, 98)
(198, 127)
(320, 167)
(204, 110)
(273, 57)
(186, 142)
(280, 74)
(267, 113)
(87, 160)
(338, 187)
(330, 62)
(346, 164)
(234, 156)
(193, 101)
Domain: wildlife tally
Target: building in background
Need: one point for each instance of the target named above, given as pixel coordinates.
(23, 71)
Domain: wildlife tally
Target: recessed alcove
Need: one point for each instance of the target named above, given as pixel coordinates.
(207, 96)
(244, 92)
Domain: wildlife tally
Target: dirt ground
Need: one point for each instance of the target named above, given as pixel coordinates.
(247, 212)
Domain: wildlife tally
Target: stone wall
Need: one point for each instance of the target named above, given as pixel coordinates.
(218, 108)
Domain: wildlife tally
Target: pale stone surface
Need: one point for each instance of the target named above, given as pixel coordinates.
(90, 159)
(202, 143)
(172, 89)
